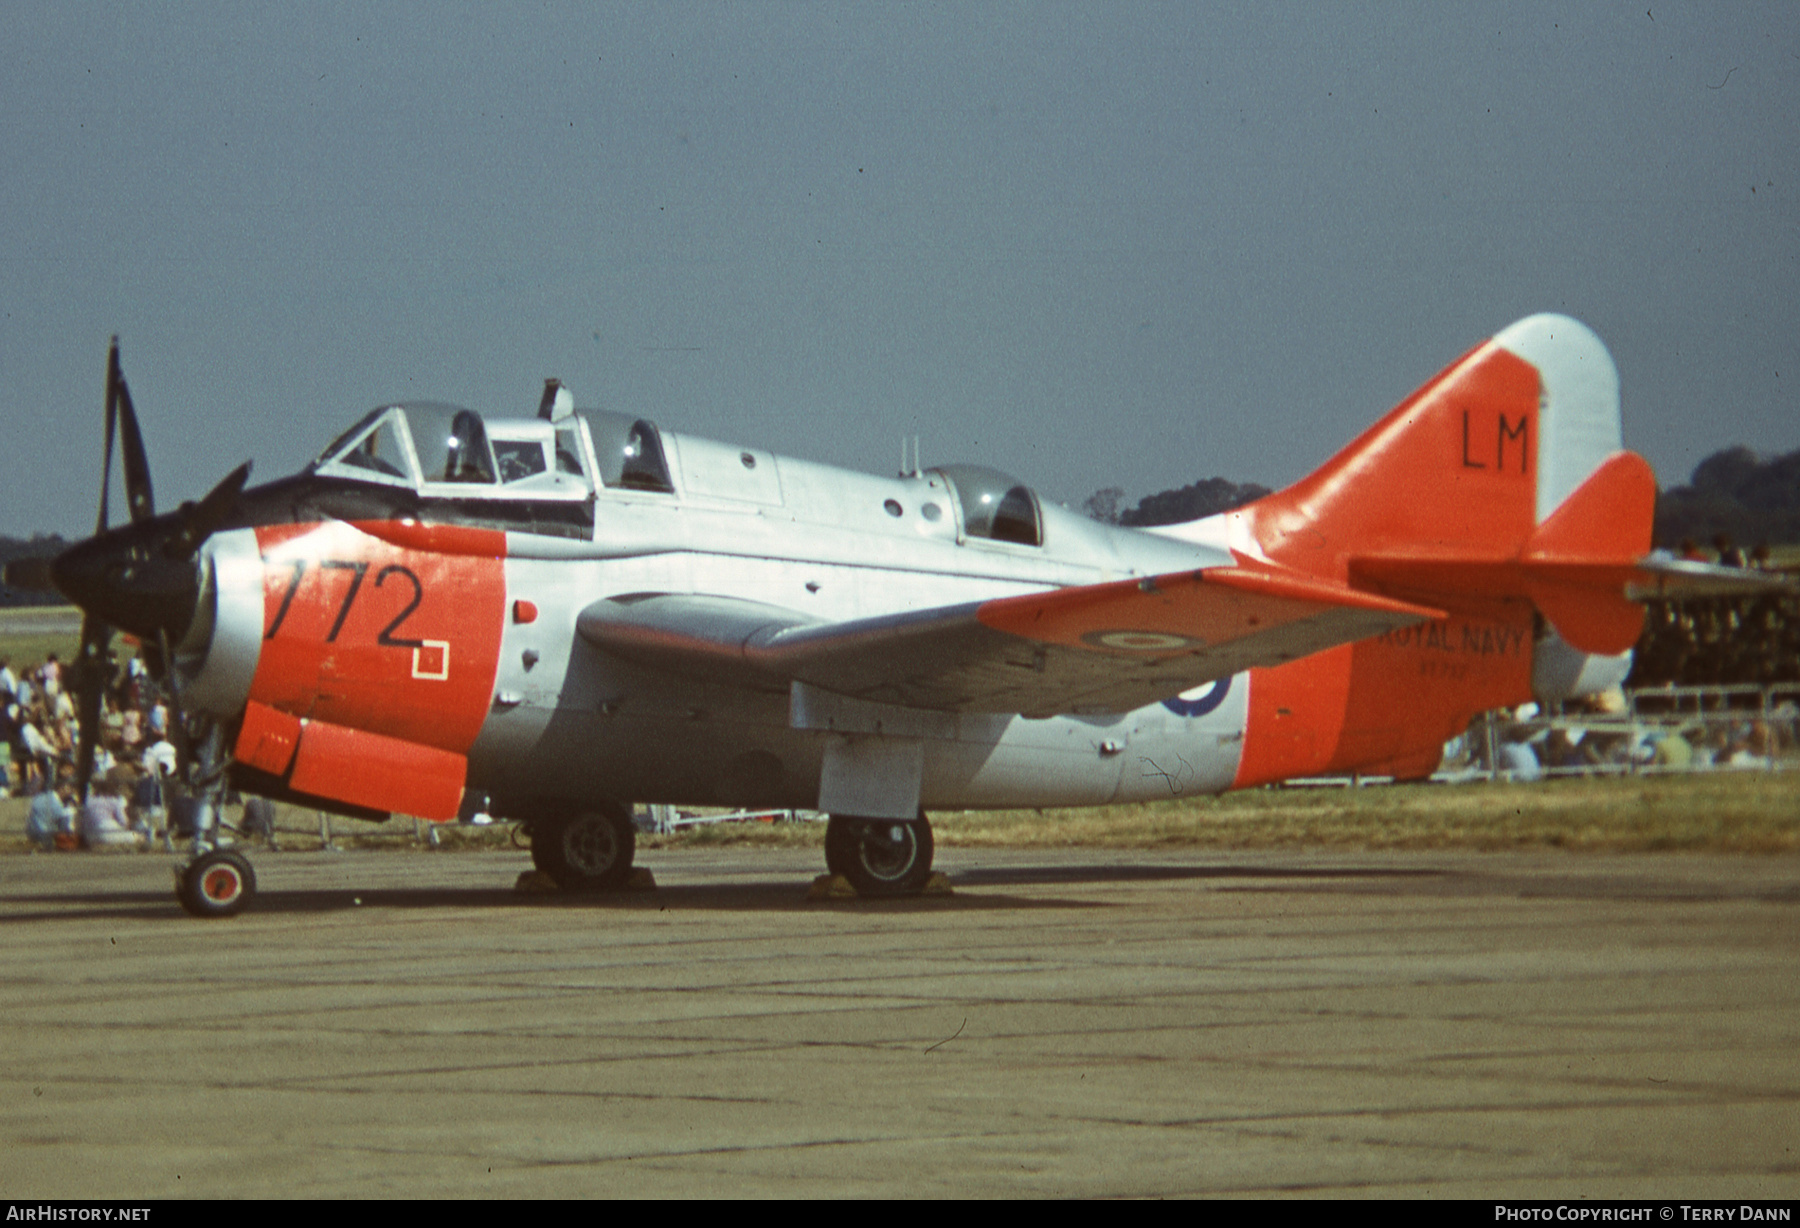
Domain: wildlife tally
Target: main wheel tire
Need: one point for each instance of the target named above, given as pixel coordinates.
(217, 884)
(587, 851)
(880, 856)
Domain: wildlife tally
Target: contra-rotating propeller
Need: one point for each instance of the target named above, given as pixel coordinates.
(141, 577)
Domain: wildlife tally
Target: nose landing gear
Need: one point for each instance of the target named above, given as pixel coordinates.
(216, 884)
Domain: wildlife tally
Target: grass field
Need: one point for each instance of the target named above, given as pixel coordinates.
(1743, 812)
(28, 637)
(1725, 812)
(1739, 812)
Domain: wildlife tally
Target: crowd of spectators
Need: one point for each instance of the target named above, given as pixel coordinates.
(134, 757)
(1599, 734)
(1720, 641)
(1698, 642)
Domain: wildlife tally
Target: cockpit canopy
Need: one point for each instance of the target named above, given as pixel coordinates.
(428, 443)
(995, 505)
(452, 444)
(630, 452)
(448, 452)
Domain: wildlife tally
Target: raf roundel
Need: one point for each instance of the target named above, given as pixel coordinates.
(1141, 641)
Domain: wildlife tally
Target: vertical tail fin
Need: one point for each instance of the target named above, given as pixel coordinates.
(1468, 467)
(1501, 478)
(1497, 491)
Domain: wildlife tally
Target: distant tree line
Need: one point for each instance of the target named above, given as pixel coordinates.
(1204, 498)
(1733, 495)
(41, 546)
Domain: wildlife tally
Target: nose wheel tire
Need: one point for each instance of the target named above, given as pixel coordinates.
(587, 851)
(880, 856)
(216, 884)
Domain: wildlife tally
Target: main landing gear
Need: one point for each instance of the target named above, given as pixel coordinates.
(880, 856)
(589, 850)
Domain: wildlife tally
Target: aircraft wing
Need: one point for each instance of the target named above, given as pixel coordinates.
(1095, 648)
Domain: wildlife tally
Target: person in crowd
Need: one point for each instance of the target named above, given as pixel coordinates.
(259, 820)
(41, 754)
(52, 814)
(1673, 753)
(105, 822)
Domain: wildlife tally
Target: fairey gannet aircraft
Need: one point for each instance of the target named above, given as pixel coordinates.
(571, 613)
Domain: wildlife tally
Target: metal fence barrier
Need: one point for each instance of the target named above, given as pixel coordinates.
(1658, 730)
(1661, 729)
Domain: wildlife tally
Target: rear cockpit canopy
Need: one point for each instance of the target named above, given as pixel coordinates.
(995, 505)
(630, 452)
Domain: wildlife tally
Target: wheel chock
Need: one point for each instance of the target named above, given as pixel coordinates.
(831, 887)
(536, 882)
(837, 887)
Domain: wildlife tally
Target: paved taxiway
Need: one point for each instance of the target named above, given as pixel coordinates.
(1070, 1023)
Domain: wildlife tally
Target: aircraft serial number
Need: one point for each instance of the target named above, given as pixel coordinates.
(358, 569)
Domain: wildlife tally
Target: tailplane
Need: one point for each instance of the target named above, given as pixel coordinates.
(1502, 480)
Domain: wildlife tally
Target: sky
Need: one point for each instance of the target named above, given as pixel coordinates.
(1092, 245)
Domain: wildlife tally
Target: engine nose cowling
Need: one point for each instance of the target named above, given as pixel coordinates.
(130, 578)
(219, 656)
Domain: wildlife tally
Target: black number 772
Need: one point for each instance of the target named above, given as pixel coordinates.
(358, 569)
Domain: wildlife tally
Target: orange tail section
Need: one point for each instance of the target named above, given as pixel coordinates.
(1498, 492)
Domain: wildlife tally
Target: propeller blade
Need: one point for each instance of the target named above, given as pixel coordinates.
(91, 672)
(138, 495)
(114, 377)
(198, 520)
